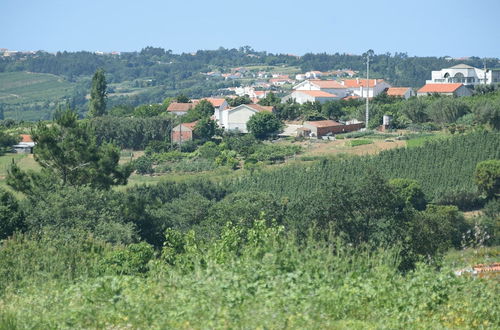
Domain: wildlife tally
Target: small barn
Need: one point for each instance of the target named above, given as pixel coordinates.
(183, 132)
(327, 127)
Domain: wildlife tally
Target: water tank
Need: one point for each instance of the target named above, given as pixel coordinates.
(386, 120)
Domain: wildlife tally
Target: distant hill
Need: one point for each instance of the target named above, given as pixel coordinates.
(151, 75)
(30, 96)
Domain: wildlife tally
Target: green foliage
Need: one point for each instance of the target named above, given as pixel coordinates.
(69, 154)
(7, 141)
(149, 110)
(264, 124)
(84, 209)
(131, 260)
(411, 192)
(205, 129)
(487, 177)
(11, 214)
(143, 165)
(202, 110)
(131, 133)
(447, 110)
(98, 95)
(239, 100)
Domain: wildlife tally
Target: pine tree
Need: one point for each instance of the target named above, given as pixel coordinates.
(98, 95)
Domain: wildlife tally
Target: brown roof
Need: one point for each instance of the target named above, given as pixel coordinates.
(397, 91)
(440, 88)
(316, 93)
(178, 107)
(26, 138)
(360, 82)
(327, 83)
(190, 125)
(323, 123)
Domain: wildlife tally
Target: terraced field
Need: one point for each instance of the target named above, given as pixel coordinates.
(27, 96)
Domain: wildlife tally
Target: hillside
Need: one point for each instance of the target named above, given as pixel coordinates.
(30, 96)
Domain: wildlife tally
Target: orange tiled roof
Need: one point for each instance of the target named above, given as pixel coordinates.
(317, 93)
(397, 91)
(260, 107)
(216, 102)
(26, 138)
(440, 88)
(180, 107)
(360, 82)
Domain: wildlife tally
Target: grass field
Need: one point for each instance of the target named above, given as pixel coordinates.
(26, 87)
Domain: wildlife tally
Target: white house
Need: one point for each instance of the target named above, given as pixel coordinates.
(464, 74)
(329, 86)
(403, 92)
(455, 89)
(363, 87)
(236, 118)
(303, 96)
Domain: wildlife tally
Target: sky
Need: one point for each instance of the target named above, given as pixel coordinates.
(456, 28)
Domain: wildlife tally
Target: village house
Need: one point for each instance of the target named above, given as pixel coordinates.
(329, 86)
(456, 89)
(236, 118)
(304, 96)
(26, 145)
(464, 74)
(403, 92)
(363, 88)
(180, 108)
(183, 132)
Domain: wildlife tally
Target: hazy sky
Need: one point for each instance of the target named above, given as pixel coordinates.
(424, 27)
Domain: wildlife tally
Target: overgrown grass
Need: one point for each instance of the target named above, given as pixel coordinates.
(360, 142)
(264, 280)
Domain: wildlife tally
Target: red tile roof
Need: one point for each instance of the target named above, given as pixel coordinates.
(317, 93)
(397, 91)
(440, 88)
(26, 138)
(360, 82)
(216, 102)
(180, 107)
(327, 83)
(323, 123)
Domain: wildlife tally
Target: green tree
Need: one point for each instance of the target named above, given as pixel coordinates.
(203, 109)
(239, 100)
(270, 100)
(7, 141)
(205, 129)
(488, 113)
(69, 155)
(98, 94)
(11, 214)
(182, 98)
(263, 124)
(487, 177)
(410, 191)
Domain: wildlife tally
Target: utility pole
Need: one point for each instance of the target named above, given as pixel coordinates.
(367, 88)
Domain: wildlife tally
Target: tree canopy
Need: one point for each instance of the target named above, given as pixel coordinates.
(98, 94)
(263, 124)
(69, 155)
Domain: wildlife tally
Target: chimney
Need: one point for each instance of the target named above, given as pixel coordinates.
(357, 81)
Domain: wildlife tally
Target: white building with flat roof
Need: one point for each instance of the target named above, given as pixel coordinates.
(464, 74)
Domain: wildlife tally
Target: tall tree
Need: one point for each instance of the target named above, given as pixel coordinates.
(69, 155)
(98, 94)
